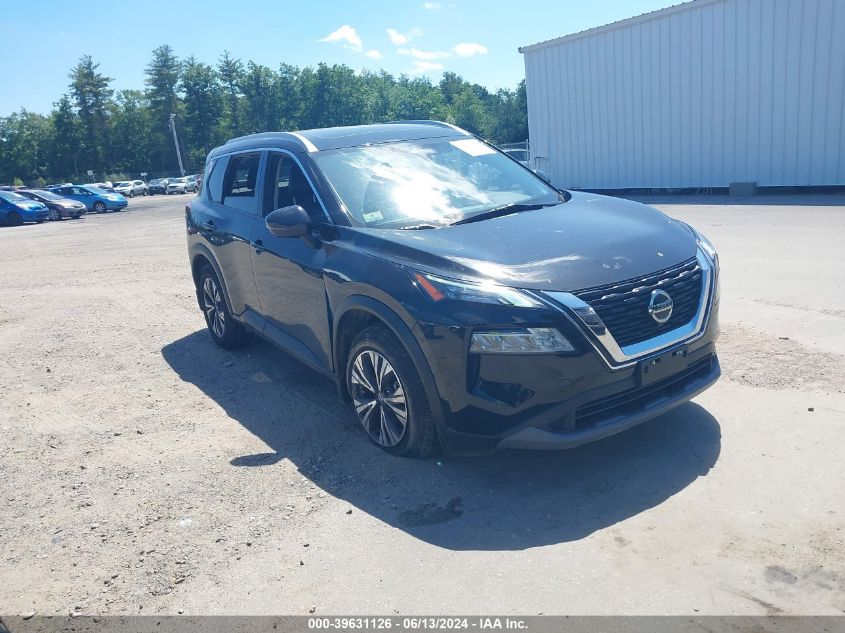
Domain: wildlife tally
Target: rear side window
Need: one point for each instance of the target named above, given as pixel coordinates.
(239, 186)
(214, 185)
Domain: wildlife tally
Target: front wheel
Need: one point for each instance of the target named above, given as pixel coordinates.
(226, 332)
(388, 395)
(14, 218)
(55, 214)
(99, 207)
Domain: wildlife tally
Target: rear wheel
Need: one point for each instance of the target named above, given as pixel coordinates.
(388, 395)
(225, 331)
(131, 193)
(99, 207)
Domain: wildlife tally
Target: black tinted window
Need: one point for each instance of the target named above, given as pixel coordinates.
(286, 185)
(239, 184)
(214, 187)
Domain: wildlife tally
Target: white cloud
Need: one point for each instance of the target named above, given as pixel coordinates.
(425, 55)
(432, 6)
(396, 37)
(468, 49)
(399, 39)
(422, 67)
(345, 34)
(373, 54)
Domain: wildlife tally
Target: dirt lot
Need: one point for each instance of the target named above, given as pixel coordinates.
(145, 471)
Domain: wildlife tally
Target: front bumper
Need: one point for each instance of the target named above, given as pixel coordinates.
(116, 205)
(555, 401)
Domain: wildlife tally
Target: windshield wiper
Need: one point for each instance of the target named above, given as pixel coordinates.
(505, 209)
(417, 227)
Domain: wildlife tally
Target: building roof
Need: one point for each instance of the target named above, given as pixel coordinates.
(637, 19)
(320, 139)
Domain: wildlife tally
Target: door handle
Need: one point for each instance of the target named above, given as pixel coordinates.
(258, 245)
(209, 225)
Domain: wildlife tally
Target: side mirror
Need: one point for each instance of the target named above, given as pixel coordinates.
(292, 221)
(541, 174)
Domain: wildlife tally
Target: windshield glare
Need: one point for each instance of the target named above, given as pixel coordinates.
(436, 182)
(11, 196)
(47, 195)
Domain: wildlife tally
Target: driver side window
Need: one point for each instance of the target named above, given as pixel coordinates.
(286, 185)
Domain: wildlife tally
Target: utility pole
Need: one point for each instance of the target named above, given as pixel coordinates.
(176, 143)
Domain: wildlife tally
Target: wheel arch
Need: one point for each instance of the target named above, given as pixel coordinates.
(357, 312)
(200, 256)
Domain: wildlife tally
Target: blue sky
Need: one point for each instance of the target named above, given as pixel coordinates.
(41, 40)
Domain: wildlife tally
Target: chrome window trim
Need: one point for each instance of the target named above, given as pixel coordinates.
(602, 340)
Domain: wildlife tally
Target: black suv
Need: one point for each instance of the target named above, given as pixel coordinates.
(454, 296)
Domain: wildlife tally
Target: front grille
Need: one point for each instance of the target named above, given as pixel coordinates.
(638, 399)
(624, 306)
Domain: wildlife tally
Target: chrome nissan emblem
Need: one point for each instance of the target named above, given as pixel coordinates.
(660, 306)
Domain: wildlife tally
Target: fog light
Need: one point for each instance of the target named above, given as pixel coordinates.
(527, 341)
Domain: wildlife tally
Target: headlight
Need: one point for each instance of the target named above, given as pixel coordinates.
(524, 341)
(438, 289)
(708, 248)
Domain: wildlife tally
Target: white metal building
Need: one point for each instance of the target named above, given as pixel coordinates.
(701, 94)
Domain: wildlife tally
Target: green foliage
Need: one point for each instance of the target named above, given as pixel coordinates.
(127, 133)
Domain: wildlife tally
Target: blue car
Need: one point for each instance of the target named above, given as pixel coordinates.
(94, 199)
(17, 209)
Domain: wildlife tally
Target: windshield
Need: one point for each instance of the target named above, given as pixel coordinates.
(95, 190)
(178, 180)
(123, 184)
(11, 196)
(47, 195)
(428, 182)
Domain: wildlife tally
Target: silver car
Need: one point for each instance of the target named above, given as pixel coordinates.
(131, 188)
(177, 185)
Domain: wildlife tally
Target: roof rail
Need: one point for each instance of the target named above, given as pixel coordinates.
(426, 122)
(257, 135)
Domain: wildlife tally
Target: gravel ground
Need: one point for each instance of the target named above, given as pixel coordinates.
(146, 471)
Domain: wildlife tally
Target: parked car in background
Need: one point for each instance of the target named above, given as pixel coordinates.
(16, 209)
(131, 188)
(59, 207)
(192, 184)
(178, 185)
(105, 186)
(94, 199)
(158, 185)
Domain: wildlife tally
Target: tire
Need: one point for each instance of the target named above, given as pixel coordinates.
(55, 215)
(14, 218)
(99, 207)
(146, 192)
(131, 193)
(390, 401)
(224, 329)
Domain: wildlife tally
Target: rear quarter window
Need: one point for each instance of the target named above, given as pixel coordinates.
(214, 184)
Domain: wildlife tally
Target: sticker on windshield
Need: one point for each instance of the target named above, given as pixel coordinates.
(373, 216)
(473, 147)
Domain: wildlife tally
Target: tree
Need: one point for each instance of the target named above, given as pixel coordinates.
(66, 139)
(131, 132)
(162, 78)
(24, 146)
(203, 109)
(231, 71)
(91, 94)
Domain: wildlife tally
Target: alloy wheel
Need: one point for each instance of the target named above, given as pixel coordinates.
(379, 398)
(214, 307)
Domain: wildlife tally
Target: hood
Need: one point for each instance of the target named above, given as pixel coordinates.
(30, 205)
(591, 240)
